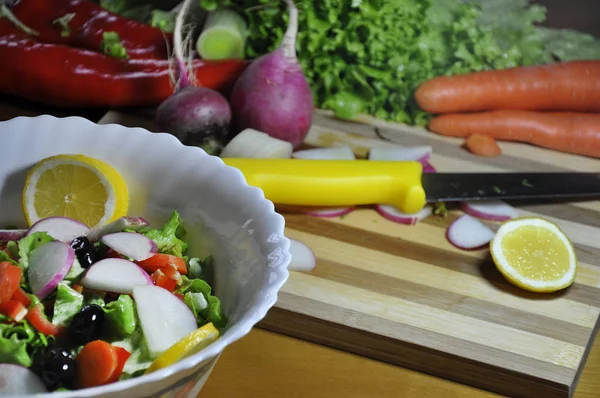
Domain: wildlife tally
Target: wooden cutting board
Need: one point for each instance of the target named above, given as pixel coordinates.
(403, 294)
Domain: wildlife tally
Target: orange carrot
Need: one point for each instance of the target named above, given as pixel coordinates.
(577, 133)
(95, 364)
(566, 86)
(483, 145)
(122, 357)
(161, 260)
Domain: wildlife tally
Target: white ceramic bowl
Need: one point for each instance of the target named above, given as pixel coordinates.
(224, 217)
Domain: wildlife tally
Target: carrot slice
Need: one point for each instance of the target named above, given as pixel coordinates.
(483, 145)
(95, 364)
(122, 357)
(161, 260)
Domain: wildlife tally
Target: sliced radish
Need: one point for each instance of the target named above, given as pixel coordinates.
(6, 235)
(414, 153)
(333, 153)
(131, 244)
(60, 228)
(494, 210)
(48, 265)
(428, 168)
(303, 259)
(330, 213)
(395, 215)
(135, 223)
(18, 380)
(115, 275)
(467, 232)
(250, 143)
(165, 319)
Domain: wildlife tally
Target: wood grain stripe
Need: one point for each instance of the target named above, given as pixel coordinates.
(484, 273)
(445, 300)
(327, 332)
(362, 306)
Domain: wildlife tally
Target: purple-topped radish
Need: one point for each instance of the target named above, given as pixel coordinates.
(197, 116)
(48, 266)
(399, 153)
(272, 95)
(6, 235)
(493, 210)
(395, 215)
(63, 229)
(115, 275)
(469, 233)
(127, 222)
(165, 319)
(330, 213)
(17, 380)
(131, 244)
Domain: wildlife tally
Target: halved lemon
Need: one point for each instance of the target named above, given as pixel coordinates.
(534, 254)
(75, 186)
(190, 344)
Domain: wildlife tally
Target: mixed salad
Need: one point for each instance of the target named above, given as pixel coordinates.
(83, 307)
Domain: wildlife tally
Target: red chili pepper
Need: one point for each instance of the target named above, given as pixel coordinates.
(87, 26)
(68, 77)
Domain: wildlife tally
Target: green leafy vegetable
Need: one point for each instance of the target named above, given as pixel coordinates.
(163, 20)
(20, 342)
(111, 45)
(206, 311)
(169, 239)
(75, 272)
(29, 243)
(121, 315)
(66, 304)
(5, 257)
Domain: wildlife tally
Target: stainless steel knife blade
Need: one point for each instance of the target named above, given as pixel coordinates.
(448, 187)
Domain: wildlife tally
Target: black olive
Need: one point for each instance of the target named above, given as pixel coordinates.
(84, 250)
(85, 324)
(56, 368)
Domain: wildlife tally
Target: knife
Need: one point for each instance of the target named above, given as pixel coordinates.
(400, 184)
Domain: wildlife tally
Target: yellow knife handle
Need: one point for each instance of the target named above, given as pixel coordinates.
(336, 182)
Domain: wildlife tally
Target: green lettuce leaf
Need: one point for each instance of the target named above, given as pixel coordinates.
(75, 272)
(140, 358)
(66, 304)
(169, 238)
(28, 244)
(5, 257)
(208, 310)
(120, 315)
(20, 342)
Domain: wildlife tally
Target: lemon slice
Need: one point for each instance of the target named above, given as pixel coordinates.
(190, 344)
(75, 186)
(534, 254)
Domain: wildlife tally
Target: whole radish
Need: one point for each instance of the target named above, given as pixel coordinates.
(272, 95)
(197, 116)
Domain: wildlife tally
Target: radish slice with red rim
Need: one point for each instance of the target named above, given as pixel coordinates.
(303, 259)
(467, 232)
(48, 266)
(60, 228)
(399, 153)
(17, 380)
(7, 235)
(115, 275)
(395, 215)
(127, 222)
(131, 244)
(330, 213)
(333, 153)
(493, 210)
(428, 168)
